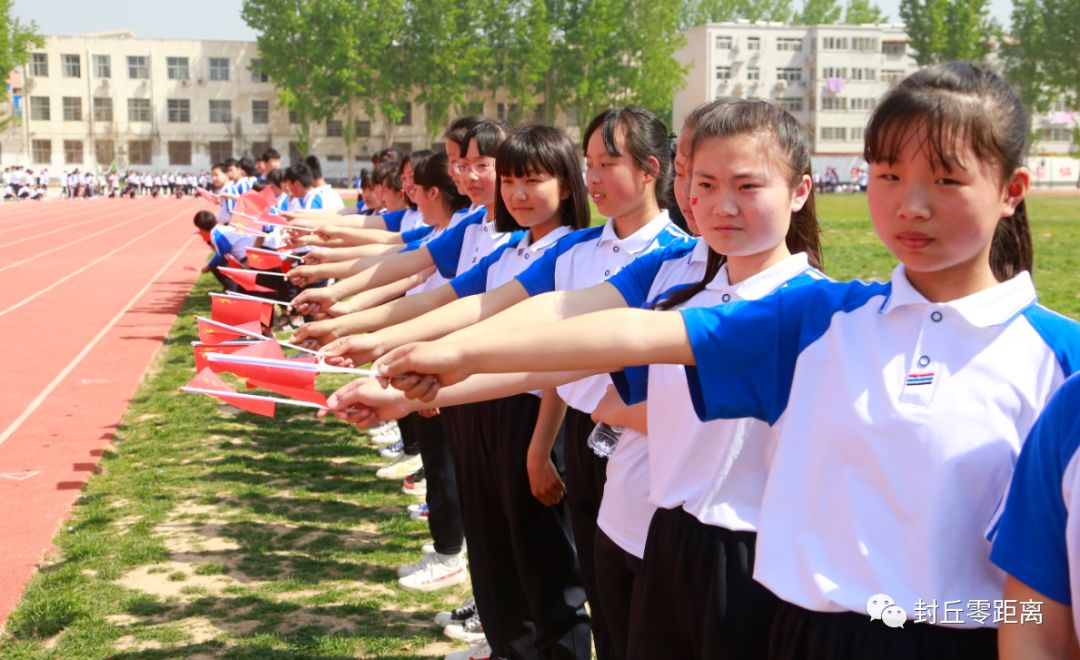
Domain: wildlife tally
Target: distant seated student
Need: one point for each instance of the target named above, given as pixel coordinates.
(224, 240)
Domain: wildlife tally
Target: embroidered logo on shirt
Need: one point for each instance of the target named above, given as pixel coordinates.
(920, 379)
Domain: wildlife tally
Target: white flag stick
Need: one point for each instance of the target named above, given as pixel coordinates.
(236, 342)
(253, 397)
(252, 270)
(319, 367)
(244, 296)
(275, 253)
(254, 335)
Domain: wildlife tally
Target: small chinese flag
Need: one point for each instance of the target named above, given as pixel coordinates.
(255, 203)
(207, 196)
(236, 311)
(202, 348)
(301, 393)
(245, 278)
(292, 378)
(252, 226)
(233, 262)
(208, 380)
(260, 260)
(212, 334)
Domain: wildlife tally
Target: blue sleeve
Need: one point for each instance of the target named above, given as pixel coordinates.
(540, 277)
(222, 247)
(446, 249)
(636, 279)
(632, 384)
(746, 351)
(474, 280)
(316, 202)
(1030, 542)
(393, 219)
(414, 235)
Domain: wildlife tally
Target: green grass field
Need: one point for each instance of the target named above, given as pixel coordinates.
(215, 533)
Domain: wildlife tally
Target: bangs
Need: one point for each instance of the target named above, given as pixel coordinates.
(528, 152)
(946, 124)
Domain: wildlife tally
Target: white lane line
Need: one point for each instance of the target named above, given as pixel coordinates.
(36, 403)
(36, 220)
(111, 227)
(64, 228)
(93, 263)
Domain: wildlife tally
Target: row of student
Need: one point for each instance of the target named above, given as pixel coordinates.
(827, 442)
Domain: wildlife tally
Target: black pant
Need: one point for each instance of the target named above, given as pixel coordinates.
(616, 572)
(521, 553)
(411, 434)
(585, 476)
(696, 596)
(799, 633)
(444, 506)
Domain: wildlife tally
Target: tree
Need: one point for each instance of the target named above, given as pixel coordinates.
(819, 12)
(16, 40)
(766, 10)
(864, 12)
(516, 49)
(941, 30)
(1040, 56)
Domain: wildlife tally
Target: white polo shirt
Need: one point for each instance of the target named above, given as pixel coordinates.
(898, 422)
(412, 219)
(329, 198)
(1038, 536)
(597, 255)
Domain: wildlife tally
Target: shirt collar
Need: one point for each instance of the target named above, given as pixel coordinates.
(763, 283)
(545, 241)
(994, 306)
(700, 253)
(640, 239)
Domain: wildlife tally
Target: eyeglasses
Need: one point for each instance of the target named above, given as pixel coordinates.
(479, 169)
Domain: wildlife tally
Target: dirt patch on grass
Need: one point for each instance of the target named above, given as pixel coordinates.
(170, 580)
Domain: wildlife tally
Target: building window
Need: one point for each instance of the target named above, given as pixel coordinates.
(832, 132)
(139, 152)
(39, 108)
(220, 111)
(334, 128)
(104, 151)
(257, 74)
(180, 153)
(294, 152)
(294, 117)
(893, 47)
(403, 147)
(855, 133)
(138, 67)
(260, 112)
(753, 73)
(834, 72)
(864, 44)
(723, 73)
(221, 151)
(72, 108)
(863, 103)
(219, 68)
(73, 152)
(406, 113)
(1056, 135)
(42, 150)
(71, 67)
(892, 76)
(335, 159)
(362, 128)
(39, 65)
(138, 110)
(833, 103)
(258, 147)
(179, 111)
(834, 43)
(102, 109)
(177, 68)
(791, 104)
(789, 43)
(753, 43)
(724, 42)
(102, 66)
(864, 74)
(790, 74)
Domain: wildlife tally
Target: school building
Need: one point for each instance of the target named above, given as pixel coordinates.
(830, 77)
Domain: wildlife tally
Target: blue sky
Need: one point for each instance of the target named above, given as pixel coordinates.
(207, 19)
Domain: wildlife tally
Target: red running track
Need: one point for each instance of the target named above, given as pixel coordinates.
(90, 289)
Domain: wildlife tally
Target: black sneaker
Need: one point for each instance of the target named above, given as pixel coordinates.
(460, 615)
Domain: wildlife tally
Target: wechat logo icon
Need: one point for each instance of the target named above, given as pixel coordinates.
(883, 607)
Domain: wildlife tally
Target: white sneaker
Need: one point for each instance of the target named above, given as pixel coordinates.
(381, 438)
(437, 572)
(469, 630)
(481, 652)
(401, 468)
(427, 549)
(460, 615)
(393, 451)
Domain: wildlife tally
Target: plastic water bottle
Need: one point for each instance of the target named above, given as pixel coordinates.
(603, 439)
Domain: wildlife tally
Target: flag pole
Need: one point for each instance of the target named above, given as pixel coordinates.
(253, 397)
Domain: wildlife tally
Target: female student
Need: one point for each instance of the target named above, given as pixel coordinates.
(898, 408)
(629, 168)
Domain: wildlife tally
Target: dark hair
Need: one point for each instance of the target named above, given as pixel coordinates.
(229, 162)
(299, 173)
(248, 166)
(457, 129)
(273, 177)
(388, 173)
(389, 153)
(790, 150)
(365, 178)
(542, 149)
(270, 154)
(205, 220)
(432, 170)
(644, 136)
(217, 166)
(312, 162)
(958, 106)
(488, 134)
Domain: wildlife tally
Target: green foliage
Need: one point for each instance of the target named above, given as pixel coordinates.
(864, 12)
(1040, 56)
(941, 30)
(819, 12)
(16, 40)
